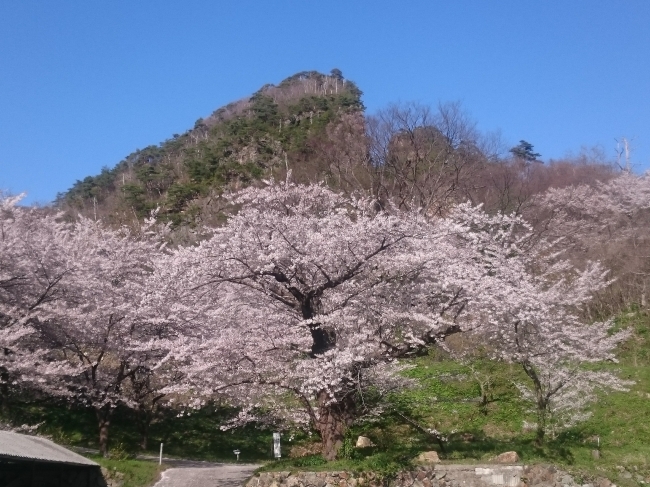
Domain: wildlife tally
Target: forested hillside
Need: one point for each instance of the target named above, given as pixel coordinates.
(239, 143)
(315, 125)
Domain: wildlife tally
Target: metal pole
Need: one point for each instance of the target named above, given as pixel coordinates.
(160, 458)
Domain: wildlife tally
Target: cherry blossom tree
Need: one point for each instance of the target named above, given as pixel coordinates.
(99, 321)
(608, 209)
(561, 394)
(606, 221)
(296, 309)
(541, 327)
(306, 298)
(31, 273)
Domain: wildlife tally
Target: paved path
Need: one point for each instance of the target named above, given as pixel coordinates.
(207, 475)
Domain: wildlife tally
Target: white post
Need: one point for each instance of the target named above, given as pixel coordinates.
(160, 458)
(276, 445)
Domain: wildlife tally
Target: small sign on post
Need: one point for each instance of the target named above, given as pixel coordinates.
(276, 445)
(236, 452)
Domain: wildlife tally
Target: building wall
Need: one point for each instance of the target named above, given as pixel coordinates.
(43, 474)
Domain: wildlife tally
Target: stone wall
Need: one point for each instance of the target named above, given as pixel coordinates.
(112, 478)
(488, 475)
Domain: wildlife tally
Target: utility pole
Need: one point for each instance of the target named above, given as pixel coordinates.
(625, 150)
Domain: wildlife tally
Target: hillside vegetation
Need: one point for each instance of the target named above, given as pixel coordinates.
(315, 125)
(239, 143)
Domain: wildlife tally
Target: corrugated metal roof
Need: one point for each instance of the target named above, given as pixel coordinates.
(24, 447)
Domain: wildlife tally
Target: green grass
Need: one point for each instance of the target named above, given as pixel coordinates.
(136, 473)
(196, 436)
(448, 401)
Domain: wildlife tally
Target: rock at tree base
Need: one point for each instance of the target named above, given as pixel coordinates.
(364, 442)
(428, 457)
(601, 482)
(507, 457)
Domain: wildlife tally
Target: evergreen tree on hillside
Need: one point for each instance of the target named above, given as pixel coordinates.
(524, 151)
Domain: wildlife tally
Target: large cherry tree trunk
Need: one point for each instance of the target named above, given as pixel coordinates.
(103, 421)
(144, 435)
(334, 420)
(4, 392)
(145, 418)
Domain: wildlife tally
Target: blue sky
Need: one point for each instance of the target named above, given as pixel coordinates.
(84, 83)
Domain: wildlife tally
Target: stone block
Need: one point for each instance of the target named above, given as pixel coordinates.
(507, 457)
(568, 480)
(428, 457)
(292, 481)
(314, 480)
(364, 442)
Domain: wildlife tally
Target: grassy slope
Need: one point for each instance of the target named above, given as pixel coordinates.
(447, 400)
(136, 473)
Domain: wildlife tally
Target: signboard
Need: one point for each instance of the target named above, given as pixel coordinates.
(276, 445)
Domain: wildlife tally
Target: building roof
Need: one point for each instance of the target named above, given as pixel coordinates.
(15, 446)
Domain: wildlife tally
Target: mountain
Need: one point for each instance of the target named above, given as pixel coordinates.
(276, 129)
(314, 125)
